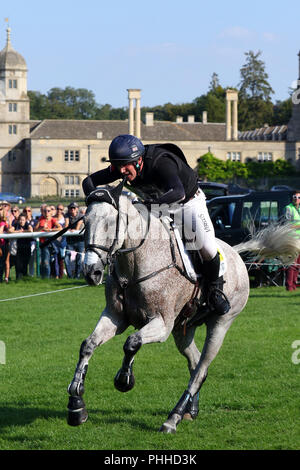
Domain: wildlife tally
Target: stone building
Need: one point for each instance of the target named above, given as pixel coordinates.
(52, 157)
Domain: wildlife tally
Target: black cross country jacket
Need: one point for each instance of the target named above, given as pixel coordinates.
(165, 177)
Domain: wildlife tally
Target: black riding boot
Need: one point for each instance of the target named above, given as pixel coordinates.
(213, 285)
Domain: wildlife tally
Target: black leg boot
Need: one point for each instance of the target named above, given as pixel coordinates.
(213, 285)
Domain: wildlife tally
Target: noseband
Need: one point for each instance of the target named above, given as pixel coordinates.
(101, 196)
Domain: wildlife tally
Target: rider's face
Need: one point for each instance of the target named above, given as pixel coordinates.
(129, 170)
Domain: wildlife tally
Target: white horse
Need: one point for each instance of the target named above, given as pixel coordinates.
(146, 287)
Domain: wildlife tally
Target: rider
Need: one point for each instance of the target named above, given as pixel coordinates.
(161, 172)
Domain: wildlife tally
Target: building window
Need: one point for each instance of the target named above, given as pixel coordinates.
(72, 156)
(72, 193)
(265, 157)
(12, 107)
(234, 156)
(13, 83)
(70, 179)
(12, 129)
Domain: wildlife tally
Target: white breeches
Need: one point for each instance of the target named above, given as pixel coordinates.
(196, 226)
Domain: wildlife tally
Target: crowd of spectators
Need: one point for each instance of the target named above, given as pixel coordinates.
(61, 257)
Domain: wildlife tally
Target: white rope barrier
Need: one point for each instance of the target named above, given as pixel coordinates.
(42, 293)
(15, 235)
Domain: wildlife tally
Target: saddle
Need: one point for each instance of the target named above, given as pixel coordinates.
(196, 309)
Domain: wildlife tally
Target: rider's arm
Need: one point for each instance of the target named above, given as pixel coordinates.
(99, 178)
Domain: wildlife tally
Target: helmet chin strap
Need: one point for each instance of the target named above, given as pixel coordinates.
(138, 167)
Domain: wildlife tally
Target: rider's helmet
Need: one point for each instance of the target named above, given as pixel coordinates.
(125, 149)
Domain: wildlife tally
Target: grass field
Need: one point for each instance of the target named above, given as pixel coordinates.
(249, 401)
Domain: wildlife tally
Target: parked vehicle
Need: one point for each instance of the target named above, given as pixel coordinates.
(13, 198)
(212, 190)
(236, 217)
(237, 189)
(281, 187)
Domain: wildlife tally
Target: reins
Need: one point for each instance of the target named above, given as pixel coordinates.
(128, 283)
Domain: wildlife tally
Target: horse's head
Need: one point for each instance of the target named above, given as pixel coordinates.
(110, 220)
(102, 238)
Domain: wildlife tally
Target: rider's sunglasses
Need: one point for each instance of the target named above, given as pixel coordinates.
(296, 197)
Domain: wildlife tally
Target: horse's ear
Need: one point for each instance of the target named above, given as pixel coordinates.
(110, 195)
(117, 191)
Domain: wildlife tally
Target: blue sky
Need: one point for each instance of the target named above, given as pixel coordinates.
(168, 48)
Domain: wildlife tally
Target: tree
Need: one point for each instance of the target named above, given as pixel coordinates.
(214, 82)
(211, 168)
(255, 92)
(72, 103)
(282, 112)
(254, 79)
(39, 106)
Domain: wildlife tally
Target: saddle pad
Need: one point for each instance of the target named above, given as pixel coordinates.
(223, 263)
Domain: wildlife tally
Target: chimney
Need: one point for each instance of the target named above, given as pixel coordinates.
(149, 119)
(134, 119)
(179, 119)
(204, 117)
(191, 119)
(231, 126)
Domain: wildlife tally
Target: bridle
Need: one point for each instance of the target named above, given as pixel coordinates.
(112, 255)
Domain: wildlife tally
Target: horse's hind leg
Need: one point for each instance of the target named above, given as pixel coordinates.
(186, 346)
(216, 331)
(154, 332)
(106, 328)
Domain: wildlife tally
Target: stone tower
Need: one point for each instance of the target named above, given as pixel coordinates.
(14, 115)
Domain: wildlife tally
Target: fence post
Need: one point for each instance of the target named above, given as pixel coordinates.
(38, 257)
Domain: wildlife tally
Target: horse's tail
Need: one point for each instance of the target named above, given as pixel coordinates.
(275, 241)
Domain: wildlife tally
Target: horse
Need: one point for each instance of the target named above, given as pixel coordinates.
(147, 287)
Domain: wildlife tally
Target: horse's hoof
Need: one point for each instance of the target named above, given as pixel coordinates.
(124, 381)
(77, 417)
(77, 413)
(167, 429)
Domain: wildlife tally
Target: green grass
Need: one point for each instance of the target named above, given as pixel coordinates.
(249, 401)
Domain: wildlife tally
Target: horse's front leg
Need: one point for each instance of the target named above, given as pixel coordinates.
(107, 327)
(156, 331)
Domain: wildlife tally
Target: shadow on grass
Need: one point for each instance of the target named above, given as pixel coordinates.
(12, 415)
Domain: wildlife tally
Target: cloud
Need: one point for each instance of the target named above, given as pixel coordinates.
(270, 37)
(236, 32)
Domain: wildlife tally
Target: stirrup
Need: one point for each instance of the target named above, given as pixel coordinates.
(221, 305)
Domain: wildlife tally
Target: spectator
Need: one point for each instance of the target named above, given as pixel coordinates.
(75, 244)
(59, 244)
(23, 247)
(27, 211)
(46, 223)
(42, 208)
(292, 214)
(9, 219)
(3, 245)
(13, 243)
(53, 211)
